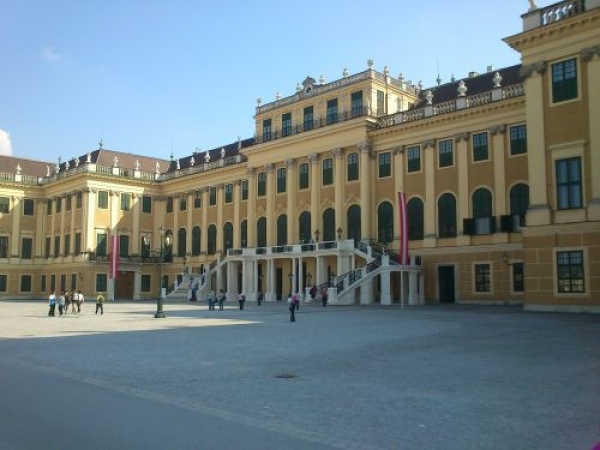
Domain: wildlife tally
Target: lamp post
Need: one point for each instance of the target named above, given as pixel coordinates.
(159, 303)
(291, 277)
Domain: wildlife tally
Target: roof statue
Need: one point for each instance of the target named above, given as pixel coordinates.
(206, 157)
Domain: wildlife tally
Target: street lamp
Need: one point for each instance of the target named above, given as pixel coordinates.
(291, 277)
(159, 303)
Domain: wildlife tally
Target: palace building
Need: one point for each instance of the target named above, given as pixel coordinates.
(499, 171)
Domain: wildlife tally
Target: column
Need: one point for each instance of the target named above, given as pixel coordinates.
(89, 236)
(539, 210)
(500, 188)
(237, 198)
(73, 208)
(430, 202)
(315, 193)
(251, 221)
(220, 202)
(189, 222)
(53, 227)
(292, 189)
(39, 228)
(592, 57)
(61, 250)
(271, 219)
(366, 203)
(15, 232)
(339, 183)
(204, 229)
(176, 209)
(135, 226)
(463, 200)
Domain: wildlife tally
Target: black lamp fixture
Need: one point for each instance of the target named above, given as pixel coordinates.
(159, 303)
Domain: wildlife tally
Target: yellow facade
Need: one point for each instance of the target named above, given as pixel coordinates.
(498, 170)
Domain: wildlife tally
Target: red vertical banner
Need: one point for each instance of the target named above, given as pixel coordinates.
(114, 256)
(403, 216)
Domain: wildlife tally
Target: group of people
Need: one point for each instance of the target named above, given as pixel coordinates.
(324, 296)
(71, 300)
(65, 301)
(219, 298)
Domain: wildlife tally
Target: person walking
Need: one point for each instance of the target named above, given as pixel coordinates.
(51, 304)
(293, 307)
(61, 303)
(80, 300)
(74, 302)
(211, 300)
(67, 301)
(100, 303)
(324, 296)
(241, 300)
(260, 297)
(221, 297)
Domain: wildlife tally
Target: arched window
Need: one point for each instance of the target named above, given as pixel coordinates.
(329, 225)
(482, 211)
(227, 236)
(304, 233)
(447, 216)
(414, 210)
(353, 216)
(519, 204)
(261, 232)
(385, 222)
(181, 242)
(244, 233)
(282, 230)
(212, 239)
(196, 240)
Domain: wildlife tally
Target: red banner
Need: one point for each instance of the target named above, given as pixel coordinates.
(403, 216)
(114, 257)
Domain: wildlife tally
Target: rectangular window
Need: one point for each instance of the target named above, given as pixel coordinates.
(413, 157)
(25, 283)
(352, 166)
(123, 245)
(102, 200)
(4, 205)
(286, 124)
(267, 130)
(67, 244)
(169, 205)
(380, 103)
(47, 247)
(445, 153)
(73, 281)
(3, 282)
(101, 282)
(281, 180)
(52, 282)
(568, 183)
(482, 278)
(3, 246)
(77, 244)
(68, 202)
(308, 118)
(244, 187)
(146, 283)
(48, 207)
(125, 202)
(229, 193)
(327, 172)
(57, 246)
(518, 140)
(480, 147)
(564, 81)
(261, 184)
(385, 164)
(356, 104)
(28, 207)
(197, 199)
(58, 205)
(79, 199)
(101, 244)
(43, 283)
(303, 179)
(183, 202)
(570, 272)
(147, 204)
(332, 111)
(212, 196)
(26, 248)
(518, 279)
(63, 282)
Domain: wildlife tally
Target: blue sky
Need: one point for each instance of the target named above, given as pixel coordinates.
(155, 77)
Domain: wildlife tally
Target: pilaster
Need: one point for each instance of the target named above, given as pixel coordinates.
(366, 201)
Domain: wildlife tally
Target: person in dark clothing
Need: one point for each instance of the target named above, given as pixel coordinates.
(242, 300)
(324, 296)
(293, 304)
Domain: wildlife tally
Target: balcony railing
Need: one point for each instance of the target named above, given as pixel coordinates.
(556, 12)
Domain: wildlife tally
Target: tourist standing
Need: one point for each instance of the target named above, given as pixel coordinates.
(293, 303)
(61, 303)
(51, 304)
(221, 297)
(241, 300)
(100, 303)
(80, 300)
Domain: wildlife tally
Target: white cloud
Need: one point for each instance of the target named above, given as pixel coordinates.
(50, 54)
(5, 145)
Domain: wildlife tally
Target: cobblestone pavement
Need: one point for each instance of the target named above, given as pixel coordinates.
(372, 378)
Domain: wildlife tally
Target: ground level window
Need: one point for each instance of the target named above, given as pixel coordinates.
(482, 278)
(570, 273)
(518, 281)
(101, 282)
(25, 283)
(146, 285)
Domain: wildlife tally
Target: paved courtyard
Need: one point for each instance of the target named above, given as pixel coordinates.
(372, 378)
